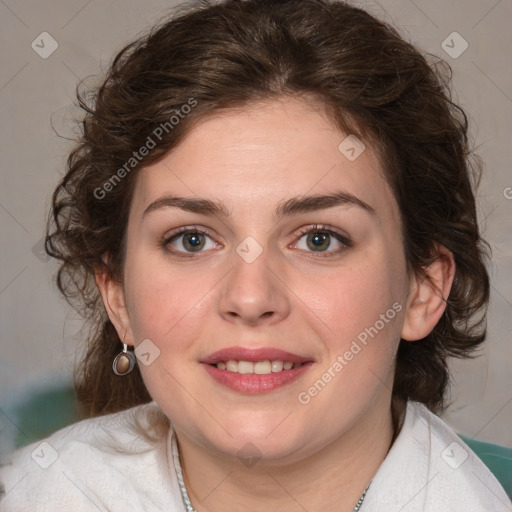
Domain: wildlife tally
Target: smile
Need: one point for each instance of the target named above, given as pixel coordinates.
(255, 370)
(258, 368)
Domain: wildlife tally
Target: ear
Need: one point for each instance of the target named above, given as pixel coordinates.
(427, 298)
(112, 294)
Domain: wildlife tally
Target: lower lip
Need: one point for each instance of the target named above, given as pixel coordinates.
(254, 384)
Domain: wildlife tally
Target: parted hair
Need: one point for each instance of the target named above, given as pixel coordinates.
(359, 72)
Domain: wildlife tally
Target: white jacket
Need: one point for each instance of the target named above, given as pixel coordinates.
(101, 464)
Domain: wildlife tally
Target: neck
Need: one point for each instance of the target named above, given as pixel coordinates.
(332, 479)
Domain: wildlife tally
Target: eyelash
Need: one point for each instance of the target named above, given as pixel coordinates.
(315, 229)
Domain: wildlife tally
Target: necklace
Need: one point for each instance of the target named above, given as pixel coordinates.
(183, 489)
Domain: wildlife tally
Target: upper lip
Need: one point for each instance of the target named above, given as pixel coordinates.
(254, 355)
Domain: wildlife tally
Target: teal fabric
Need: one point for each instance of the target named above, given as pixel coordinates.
(44, 413)
(497, 458)
(51, 410)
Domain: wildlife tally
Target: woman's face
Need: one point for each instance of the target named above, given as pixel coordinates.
(250, 280)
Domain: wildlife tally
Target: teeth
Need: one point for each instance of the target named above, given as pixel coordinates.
(277, 366)
(262, 367)
(231, 366)
(245, 367)
(259, 367)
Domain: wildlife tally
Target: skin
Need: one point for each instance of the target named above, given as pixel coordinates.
(315, 456)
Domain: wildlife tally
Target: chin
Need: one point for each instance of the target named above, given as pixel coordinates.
(267, 440)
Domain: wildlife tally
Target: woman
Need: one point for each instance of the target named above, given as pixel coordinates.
(270, 224)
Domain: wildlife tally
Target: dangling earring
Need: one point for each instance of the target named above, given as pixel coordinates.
(124, 361)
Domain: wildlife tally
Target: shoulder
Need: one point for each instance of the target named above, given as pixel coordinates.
(107, 463)
(430, 468)
(455, 468)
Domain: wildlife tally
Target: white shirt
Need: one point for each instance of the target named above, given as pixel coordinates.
(101, 464)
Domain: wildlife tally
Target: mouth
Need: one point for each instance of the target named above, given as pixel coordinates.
(259, 367)
(255, 371)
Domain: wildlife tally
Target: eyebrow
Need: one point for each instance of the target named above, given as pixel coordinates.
(292, 206)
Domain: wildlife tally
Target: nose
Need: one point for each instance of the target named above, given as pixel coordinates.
(254, 293)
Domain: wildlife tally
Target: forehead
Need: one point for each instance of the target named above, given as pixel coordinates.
(254, 157)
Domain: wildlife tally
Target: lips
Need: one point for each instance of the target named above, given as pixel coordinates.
(254, 355)
(254, 383)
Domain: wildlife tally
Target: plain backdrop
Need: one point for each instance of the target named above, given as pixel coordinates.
(40, 333)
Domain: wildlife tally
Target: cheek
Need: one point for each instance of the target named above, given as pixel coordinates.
(359, 311)
(359, 319)
(355, 296)
(167, 304)
(166, 307)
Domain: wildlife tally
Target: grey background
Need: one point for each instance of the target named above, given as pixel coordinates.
(40, 333)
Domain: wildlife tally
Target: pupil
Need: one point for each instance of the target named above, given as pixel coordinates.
(193, 241)
(319, 240)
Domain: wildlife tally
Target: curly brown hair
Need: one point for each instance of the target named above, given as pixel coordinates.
(216, 56)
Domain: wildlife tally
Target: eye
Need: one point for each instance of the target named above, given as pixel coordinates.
(189, 240)
(319, 239)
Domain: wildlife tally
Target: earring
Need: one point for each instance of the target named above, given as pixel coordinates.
(124, 361)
